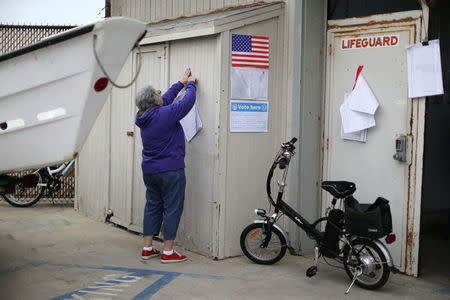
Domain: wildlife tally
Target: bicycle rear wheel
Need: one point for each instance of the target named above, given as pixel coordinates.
(375, 271)
(252, 238)
(25, 196)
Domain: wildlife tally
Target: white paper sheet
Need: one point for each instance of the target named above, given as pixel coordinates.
(191, 123)
(353, 121)
(249, 83)
(362, 98)
(249, 116)
(360, 136)
(424, 70)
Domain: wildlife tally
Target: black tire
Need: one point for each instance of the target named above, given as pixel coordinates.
(24, 197)
(375, 271)
(251, 239)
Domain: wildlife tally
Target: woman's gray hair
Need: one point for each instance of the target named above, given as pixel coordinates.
(146, 99)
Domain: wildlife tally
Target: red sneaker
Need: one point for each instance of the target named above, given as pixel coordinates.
(174, 258)
(146, 254)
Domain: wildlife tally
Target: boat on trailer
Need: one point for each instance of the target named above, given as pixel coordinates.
(51, 92)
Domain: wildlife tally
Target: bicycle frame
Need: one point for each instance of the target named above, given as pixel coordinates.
(286, 154)
(49, 173)
(280, 205)
(334, 243)
(64, 166)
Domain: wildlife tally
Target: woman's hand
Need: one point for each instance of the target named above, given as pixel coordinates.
(185, 77)
(192, 78)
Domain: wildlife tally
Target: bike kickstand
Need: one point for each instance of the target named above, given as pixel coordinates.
(313, 270)
(316, 257)
(358, 272)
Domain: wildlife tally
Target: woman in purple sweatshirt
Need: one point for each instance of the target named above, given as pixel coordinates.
(163, 162)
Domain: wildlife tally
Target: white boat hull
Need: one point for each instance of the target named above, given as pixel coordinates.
(48, 101)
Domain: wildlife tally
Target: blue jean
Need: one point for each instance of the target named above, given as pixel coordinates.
(165, 200)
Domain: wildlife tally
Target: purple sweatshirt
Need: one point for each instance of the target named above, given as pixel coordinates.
(161, 132)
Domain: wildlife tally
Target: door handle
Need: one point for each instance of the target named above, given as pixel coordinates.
(403, 149)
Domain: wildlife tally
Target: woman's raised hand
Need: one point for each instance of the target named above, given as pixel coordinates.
(185, 77)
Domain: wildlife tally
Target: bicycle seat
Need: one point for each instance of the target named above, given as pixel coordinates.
(339, 189)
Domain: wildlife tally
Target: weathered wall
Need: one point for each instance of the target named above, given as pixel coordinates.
(155, 10)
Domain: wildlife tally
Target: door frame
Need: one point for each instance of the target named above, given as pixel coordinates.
(417, 127)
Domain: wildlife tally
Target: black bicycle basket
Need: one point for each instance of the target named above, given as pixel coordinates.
(368, 220)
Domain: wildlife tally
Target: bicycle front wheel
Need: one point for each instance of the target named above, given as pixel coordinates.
(251, 244)
(25, 196)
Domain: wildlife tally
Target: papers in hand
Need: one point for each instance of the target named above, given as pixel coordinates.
(191, 123)
(424, 70)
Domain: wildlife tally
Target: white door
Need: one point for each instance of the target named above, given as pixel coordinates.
(127, 190)
(377, 43)
(153, 72)
(121, 110)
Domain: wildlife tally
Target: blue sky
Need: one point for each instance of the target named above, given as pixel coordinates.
(51, 12)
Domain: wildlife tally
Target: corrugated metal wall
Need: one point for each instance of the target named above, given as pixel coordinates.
(155, 10)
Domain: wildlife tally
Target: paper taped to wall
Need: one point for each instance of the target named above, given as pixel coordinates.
(249, 83)
(424, 70)
(353, 121)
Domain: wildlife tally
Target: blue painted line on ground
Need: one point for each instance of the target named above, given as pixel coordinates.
(155, 287)
(93, 289)
(113, 268)
(148, 292)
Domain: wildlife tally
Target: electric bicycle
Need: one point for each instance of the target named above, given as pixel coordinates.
(351, 236)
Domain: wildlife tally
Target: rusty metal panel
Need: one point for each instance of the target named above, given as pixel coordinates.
(370, 164)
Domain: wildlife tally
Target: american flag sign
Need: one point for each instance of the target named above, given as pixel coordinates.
(249, 51)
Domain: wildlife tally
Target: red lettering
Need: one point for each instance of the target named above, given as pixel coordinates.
(386, 41)
(364, 42)
(394, 40)
(378, 43)
(358, 43)
(372, 42)
(343, 45)
(352, 42)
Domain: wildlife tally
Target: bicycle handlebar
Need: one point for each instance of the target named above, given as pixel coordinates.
(282, 162)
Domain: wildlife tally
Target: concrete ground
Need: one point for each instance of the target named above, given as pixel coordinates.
(51, 252)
